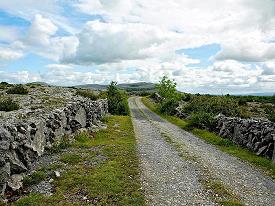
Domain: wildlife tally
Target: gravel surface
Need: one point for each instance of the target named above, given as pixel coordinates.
(170, 180)
(167, 179)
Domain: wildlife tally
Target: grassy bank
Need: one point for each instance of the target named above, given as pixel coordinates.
(98, 169)
(223, 144)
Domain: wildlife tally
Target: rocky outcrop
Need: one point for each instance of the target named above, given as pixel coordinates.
(23, 140)
(256, 135)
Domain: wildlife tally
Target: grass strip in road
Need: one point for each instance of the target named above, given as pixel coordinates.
(101, 170)
(224, 145)
(219, 193)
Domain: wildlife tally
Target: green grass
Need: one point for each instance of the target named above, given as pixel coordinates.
(34, 178)
(222, 195)
(71, 158)
(224, 145)
(114, 180)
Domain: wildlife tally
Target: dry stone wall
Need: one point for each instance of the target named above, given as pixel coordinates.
(24, 139)
(256, 135)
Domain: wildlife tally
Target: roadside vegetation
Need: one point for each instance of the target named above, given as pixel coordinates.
(4, 85)
(117, 100)
(224, 145)
(98, 169)
(87, 94)
(200, 111)
(7, 104)
(18, 89)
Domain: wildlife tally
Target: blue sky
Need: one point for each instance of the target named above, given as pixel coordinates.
(225, 47)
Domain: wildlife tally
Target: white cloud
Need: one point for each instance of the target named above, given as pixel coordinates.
(251, 50)
(19, 77)
(58, 66)
(138, 39)
(7, 54)
(114, 9)
(41, 31)
(109, 42)
(223, 77)
(9, 33)
(269, 68)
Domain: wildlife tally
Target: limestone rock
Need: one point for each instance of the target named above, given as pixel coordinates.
(25, 134)
(254, 134)
(15, 181)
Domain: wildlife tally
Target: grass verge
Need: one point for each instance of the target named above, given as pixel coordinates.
(102, 170)
(223, 144)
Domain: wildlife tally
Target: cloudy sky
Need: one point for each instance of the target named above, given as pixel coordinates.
(208, 46)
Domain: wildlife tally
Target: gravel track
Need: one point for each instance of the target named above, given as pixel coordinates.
(169, 179)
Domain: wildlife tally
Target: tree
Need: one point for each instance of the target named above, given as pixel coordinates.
(167, 88)
(117, 100)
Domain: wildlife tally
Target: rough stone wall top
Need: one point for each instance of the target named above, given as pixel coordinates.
(256, 135)
(23, 140)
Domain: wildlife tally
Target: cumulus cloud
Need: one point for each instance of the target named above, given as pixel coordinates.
(19, 76)
(58, 66)
(7, 54)
(41, 31)
(223, 77)
(109, 42)
(136, 40)
(41, 39)
(269, 68)
(9, 33)
(247, 50)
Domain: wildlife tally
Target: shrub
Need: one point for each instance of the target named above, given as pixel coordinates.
(242, 101)
(17, 89)
(270, 111)
(87, 94)
(170, 97)
(202, 120)
(4, 85)
(103, 95)
(7, 104)
(117, 100)
(214, 105)
(186, 97)
(168, 106)
(167, 88)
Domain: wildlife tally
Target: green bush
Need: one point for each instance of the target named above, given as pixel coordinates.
(168, 106)
(87, 94)
(166, 88)
(18, 89)
(202, 120)
(103, 95)
(242, 102)
(261, 99)
(117, 100)
(7, 104)
(186, 97)
(270, 111)
(170, 97)
(4, 85)
(214, 105)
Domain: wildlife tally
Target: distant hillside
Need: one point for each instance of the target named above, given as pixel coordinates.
(140, 86)
(259, 94)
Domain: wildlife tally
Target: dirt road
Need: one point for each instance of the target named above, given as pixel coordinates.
(177, 167)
